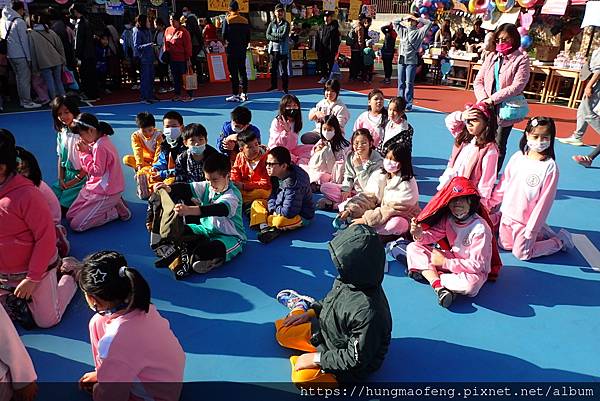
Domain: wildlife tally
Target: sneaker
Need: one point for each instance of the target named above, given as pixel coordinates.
(62, 243)
(324, 204)
(123, 210)
(268, 234)
(186, 99)
(566, 238)
(341, 224)
(204, 266)
(135, 87)
(233, 98)
(322, 81)
(286, 91)
(166, 252)
(445, 297)
(585, 161)
(571, 140)
(417, 276)
(244, 97)
(408, 108)
(175, 98)
(163, 90)
(31, 105)
(293, 301)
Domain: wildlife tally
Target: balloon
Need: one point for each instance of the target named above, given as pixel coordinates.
(505, 5)
(526, 41)
(424, 16)
(522, 31)
(526, 19)
(445, 67)
(527, 3)
(478, 6)
(427, 3)
(423, 10)
(434, 29)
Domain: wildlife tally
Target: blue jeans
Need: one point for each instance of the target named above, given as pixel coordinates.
(178, 68)
(147, 81)
(53, 79)
(406, 82)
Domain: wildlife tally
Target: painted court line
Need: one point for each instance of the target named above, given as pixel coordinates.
(587, 249)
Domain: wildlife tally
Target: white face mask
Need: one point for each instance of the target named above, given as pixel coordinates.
(186, 13)
(237, 128)
(328, 135)
(538, 146)
(172, 134)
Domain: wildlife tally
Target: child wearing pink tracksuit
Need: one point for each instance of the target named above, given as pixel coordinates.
(475, 153)
(526, 192)
(397, 129)
(17, 374)
(99, 201)
(136, 355)
(375, 118)
(285, 127)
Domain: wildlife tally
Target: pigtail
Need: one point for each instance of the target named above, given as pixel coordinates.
(140, 290)
(105, 128)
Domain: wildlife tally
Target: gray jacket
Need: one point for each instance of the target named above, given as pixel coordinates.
(17, 41)
(359, 176)
(410, 40)
(278, 35)
(46, 50)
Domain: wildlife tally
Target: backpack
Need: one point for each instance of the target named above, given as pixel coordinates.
(351, 38)
(4, 41)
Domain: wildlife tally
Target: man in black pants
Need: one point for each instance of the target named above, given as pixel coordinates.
(85, 53)
(236, 32)
(328, 42)
(278, 34)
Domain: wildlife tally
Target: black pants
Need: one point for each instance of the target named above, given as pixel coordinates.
(356, 64)
(89, 80)
(326, 61)
(237, 68)
(501, 139)
(277, 60)
(387, 65)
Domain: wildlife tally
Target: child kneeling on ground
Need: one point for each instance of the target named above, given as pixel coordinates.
(290, 205)
(355, 322)
(201, 237)
(469, 256)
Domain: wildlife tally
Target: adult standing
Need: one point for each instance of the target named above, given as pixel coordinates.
(209, 33)
(144, 51)
(358, 42)
(236, 33)
(411, 38)
(443, 37)
(327, 45)
(278, 35)
(18, 53)
(193, 27)
(388, 50)
(115, 50)
(85, 53)
(178, 46)
(57, 24)
(477, 35)
(513, 73)
(47, 55)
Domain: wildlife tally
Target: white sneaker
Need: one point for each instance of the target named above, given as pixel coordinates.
(244, 97)
(32, 105)
(233, 98)
(566, 239)
(572, 140)
(322, 80)
(135, 87)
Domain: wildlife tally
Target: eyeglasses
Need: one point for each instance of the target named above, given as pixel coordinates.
(268, 164)
(503, 40)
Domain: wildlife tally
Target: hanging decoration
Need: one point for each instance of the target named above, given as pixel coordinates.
(62, 1)
(505, 5)
(478, 6)
(129, 2)
(157, 3)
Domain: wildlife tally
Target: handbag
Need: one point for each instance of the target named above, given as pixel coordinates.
(190, 80)
(514, 108)
(4, 40)
(67, 76)
(18, 309)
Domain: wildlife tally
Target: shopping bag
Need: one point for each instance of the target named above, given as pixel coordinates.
(190, 80)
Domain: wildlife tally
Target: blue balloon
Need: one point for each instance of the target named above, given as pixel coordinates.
(435, 28)
(526, 41)
(445, 67)
(423, 10)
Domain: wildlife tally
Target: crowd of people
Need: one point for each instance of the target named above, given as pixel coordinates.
(199, 196)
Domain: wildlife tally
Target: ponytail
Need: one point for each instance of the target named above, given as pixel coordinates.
(140, 290)
(105, 128)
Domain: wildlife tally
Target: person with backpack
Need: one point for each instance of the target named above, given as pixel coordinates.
(15, 45)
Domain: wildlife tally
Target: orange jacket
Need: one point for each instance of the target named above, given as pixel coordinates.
(252, 179)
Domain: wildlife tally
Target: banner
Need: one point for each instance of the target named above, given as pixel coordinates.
(555, 7)
(223, 5)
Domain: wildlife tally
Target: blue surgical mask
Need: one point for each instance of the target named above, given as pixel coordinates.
(197, 150)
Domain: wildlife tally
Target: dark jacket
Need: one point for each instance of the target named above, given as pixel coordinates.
(389, 40)
(236, 31)
(328, 38)
(84, 40)
(165, 163)
(292, 196)
(183, 172)
(355, 321)
(227, 130)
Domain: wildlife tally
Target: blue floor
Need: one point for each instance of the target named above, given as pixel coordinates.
(539, 322)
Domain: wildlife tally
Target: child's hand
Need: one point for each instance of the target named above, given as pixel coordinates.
(294, 320)
(356, 160)
(154, 173)
(185, 210)
(360, 220)
(305, 361)
(83, 147)
(25, 288)
(344, 215)
(470, 114)
(319, 115)
(437, 258)
(415, 229)
(87, 381)
(161, 185)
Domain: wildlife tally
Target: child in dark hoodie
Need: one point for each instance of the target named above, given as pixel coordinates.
(355, 323)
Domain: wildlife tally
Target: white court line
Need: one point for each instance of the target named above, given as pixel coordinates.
(587, 249)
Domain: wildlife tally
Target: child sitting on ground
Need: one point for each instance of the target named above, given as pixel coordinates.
(397, 129)
(355, 322)
(249, 171)
(213, 239)
(331, 104)
(454, 217)
(189, 166)
(125, 320)
(290, 205)
(227, 142)
(375, 118)
(285, 127)
(170, 148)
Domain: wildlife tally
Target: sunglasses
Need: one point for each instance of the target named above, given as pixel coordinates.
(268, 164)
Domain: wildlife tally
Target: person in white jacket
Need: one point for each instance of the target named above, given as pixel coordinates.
(331, 104)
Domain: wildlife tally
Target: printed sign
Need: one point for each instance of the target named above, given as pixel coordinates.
(223, 5)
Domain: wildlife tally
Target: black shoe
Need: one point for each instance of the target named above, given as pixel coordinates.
(417, 276)
(445, 297)
(268, 234)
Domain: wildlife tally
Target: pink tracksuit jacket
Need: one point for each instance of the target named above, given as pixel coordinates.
(103, 165)
(282, 133)
(365, 120)
(140, 351)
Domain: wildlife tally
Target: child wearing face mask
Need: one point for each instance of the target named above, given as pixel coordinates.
(526, 192)
(227, 142)
(475, 153)
(285, 127)
(467, 256)
(170, 148)
(99, 201)
(327, 156)
(189, 166)
(397, 129)
(375, 118)
(331, 104)
(390, 198)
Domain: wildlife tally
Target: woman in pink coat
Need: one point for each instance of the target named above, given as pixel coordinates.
(514, 70)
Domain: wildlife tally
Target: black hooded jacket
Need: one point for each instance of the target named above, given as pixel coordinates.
(328, 39)
(355, 322)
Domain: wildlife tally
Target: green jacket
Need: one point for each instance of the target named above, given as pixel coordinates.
(354, 318)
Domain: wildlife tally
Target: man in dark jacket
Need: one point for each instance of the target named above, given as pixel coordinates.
(236, 33)
(290, 205)
(327, 44)
(85, 53)
(355, 322)
(278, 35)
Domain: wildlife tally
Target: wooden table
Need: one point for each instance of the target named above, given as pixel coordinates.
(546, 71)
(460, 64)
(558, 75)
(434, 68)
(473, 70)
